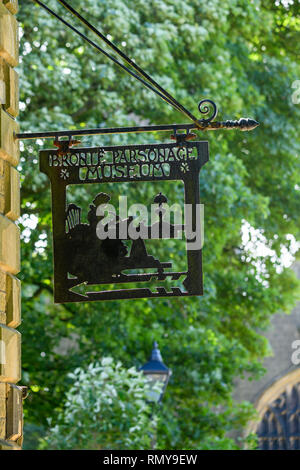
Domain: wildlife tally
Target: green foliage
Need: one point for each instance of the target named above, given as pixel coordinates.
(106, 408)
(242, 54)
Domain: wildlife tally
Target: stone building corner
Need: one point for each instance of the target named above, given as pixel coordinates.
(10, 308)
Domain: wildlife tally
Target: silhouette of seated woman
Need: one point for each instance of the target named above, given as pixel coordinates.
(92, 259)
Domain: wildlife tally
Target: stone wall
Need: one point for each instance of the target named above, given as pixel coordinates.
(10, 310)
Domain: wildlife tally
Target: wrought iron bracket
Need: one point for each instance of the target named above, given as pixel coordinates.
(243, 124)
(181, 138)
(65, 145)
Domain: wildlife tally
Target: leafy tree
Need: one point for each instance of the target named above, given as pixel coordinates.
(106, 408)
(242, 54)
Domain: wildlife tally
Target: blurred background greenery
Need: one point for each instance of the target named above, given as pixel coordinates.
(245, 56)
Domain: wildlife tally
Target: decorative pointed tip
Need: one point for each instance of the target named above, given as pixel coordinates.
(246, 124)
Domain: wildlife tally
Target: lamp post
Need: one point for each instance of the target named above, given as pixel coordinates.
(157, 373)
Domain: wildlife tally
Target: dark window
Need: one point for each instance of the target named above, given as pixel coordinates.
(280, 427)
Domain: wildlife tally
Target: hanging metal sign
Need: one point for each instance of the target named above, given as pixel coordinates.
(104, 256)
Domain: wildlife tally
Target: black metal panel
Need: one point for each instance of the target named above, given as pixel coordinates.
(81, 258)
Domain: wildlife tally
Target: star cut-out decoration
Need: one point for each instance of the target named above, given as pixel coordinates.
(64, 174)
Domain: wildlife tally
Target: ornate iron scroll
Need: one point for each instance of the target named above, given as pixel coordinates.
(83, 259)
